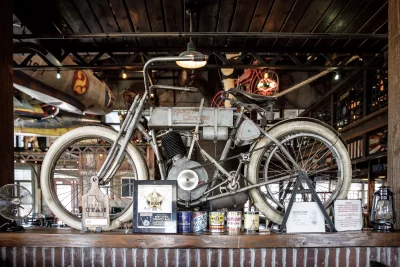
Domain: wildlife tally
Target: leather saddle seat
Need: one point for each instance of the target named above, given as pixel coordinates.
(247, 97)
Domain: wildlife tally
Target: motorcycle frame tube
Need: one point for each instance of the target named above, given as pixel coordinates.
(276, 142)
(117, 160)
(111, 155)
(228, 144)
(224, 154)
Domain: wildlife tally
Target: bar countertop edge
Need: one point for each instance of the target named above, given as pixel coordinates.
(120, 239)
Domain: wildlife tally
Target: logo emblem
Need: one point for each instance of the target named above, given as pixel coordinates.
(80, 82)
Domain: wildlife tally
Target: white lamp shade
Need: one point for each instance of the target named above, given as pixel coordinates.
(191, 64)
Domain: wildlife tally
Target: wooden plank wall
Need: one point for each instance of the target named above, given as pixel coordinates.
(394, 103)
(284, 257)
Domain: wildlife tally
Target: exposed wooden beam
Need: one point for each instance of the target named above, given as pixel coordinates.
(261, 35)
(366, 124)
(7, 92)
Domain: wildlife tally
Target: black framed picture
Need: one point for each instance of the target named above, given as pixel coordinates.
(154, 206)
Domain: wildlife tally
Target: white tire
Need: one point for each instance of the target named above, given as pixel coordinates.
(286, 132)
(136, 162)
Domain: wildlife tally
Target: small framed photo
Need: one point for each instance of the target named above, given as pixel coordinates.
(154, 206)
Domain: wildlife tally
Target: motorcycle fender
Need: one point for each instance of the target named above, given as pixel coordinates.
(310, 120)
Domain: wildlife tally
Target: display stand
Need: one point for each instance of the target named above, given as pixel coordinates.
(95, 208)
(298, 189)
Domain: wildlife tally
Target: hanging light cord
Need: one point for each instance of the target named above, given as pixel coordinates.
(190, 25)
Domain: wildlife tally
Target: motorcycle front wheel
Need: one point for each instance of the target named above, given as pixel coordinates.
(73, 159)
(316, 149)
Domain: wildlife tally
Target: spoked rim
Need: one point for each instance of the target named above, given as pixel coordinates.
(80, 159)
(315, 155)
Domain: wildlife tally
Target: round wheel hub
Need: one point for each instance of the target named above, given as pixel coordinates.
(188, 180)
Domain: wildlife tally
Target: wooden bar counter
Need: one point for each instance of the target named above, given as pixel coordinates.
(58, 237)
(64, 247)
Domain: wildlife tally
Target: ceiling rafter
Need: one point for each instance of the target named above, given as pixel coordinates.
(252, 59)
(262, 35)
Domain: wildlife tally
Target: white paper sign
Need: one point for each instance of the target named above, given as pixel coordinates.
(348, 215)
(89, 222)
(305, 217)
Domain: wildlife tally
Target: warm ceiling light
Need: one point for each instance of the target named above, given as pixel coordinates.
(123, 74)
(198, 59)
(337, 76)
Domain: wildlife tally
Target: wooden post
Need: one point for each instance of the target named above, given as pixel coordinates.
(6, 89)
(6, 99)
(394, 104)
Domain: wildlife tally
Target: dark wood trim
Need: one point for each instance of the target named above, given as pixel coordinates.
(366, 124)
(73, 238)
(6, 100)
(370, 157)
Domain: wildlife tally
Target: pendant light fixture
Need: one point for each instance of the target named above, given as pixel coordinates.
(198, 59)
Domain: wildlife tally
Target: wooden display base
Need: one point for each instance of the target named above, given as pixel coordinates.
(118, 239)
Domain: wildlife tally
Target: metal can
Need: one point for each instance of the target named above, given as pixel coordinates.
(217, 220)
(234, 221)
(184, 221)
(251, 221)
(199, 221)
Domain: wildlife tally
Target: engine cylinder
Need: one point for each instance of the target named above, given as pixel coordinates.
(173, 144)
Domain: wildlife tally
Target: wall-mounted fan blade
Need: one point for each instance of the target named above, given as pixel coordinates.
(16, 202)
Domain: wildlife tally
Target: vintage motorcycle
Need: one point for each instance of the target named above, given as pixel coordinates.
(267, 165)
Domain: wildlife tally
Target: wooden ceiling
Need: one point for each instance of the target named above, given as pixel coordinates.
(212, 16)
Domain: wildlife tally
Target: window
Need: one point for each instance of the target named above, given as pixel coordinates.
(358, 191)
(23, 177)
(127, 187)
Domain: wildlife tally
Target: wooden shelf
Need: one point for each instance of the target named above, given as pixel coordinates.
(45, 237)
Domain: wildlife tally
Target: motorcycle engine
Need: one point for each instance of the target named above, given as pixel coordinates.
(180, 170)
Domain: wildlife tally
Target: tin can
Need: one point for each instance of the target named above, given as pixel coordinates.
(234, 221)
(217, 220)
(251, 221)
(184, 221)
(199, 221)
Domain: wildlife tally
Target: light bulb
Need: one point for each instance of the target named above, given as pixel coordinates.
(123, 74)
(337, 76)
(58, 75)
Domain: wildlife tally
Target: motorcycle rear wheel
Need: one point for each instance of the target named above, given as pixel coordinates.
(316, 149)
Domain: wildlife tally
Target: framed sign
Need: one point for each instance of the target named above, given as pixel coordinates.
(348, 214)
(305, 217)
(154, 206)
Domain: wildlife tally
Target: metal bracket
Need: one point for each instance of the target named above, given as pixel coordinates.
(196, 131)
